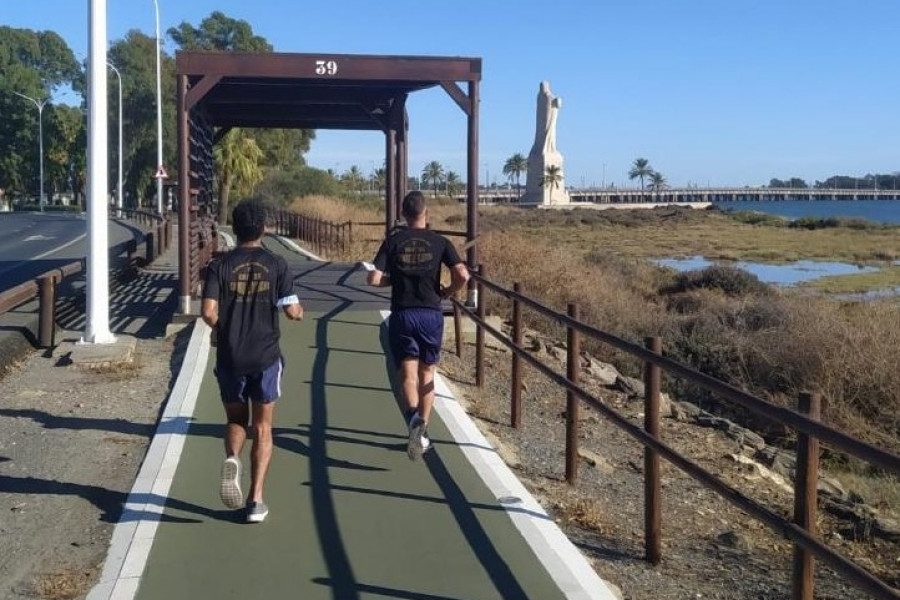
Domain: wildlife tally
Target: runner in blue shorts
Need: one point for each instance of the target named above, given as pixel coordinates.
(409, 261)
(242, 295)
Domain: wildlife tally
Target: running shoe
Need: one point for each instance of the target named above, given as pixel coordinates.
(257, 512)
(230, 485)
(415, 445)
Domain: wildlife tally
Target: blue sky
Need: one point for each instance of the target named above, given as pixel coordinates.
(719, 92)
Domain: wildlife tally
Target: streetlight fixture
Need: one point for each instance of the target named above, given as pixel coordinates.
(159, 144)
(119, 186)
(40, 106)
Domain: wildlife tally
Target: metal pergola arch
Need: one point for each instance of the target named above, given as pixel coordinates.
(217, 91)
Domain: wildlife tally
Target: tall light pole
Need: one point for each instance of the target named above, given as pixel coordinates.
(96, 329)
(159, 143)
(119, 186)
(40, 106)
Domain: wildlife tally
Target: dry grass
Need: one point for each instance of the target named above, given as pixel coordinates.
(771, 343)
(64, 585)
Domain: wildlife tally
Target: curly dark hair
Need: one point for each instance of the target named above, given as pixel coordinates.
(249, 220)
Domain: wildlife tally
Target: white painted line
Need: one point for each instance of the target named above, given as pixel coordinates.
(133, 535)
(293, 246)
(45, 254)
(568, 567)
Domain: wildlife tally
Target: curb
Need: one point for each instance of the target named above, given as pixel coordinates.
(132, 536)
(567, 566)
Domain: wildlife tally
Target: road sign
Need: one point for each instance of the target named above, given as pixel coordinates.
(161, 173)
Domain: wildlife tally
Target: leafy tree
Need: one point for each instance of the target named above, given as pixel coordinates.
(552, 177)
(281, 148)
(640, 169)
(238, 157)
(135, 57)
(219, 33)
(353, 179)
(514, 167)
(433, 173)
(34, 63)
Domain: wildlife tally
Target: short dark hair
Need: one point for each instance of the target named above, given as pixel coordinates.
(413, 205)
(249, 220)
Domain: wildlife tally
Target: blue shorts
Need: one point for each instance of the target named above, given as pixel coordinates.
(264, 386)
(416, 333)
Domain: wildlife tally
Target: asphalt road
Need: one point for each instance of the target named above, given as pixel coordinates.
(34, 243)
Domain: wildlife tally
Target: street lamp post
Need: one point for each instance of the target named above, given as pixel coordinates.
(119, 185)
(159, 143)
(40, 106)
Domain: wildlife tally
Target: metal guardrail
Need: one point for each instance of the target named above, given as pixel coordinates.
(802, 531)
(44, 286)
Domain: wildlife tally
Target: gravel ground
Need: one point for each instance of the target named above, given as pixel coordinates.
(71, 443)
(711, 549)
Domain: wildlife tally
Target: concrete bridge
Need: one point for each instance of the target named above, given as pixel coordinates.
(695, 195)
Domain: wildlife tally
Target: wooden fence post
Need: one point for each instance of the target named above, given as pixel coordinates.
(515, 400)
(806, 497)
(479, 332)
(652, 486)
(573, 364)
(47, 311)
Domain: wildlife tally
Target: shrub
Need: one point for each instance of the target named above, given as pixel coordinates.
(729, 280)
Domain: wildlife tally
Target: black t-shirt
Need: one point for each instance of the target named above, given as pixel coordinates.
(248, 282)
(412, 259)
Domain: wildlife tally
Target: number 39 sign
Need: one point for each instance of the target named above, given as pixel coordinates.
(326, 67)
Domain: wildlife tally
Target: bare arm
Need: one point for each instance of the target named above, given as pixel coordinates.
(209, 311)
(378, 279)
(459, 277)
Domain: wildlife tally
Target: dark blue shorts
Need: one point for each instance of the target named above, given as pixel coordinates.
(416, 333)
(263, 387)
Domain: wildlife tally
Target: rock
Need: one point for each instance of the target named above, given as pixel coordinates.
(733, 540)
(888, 529)
(779, 461)
(829, 486)
(614, 590)
(691, 410)
(596, 461)
(745, 437)
(603, 372)
(629, 385)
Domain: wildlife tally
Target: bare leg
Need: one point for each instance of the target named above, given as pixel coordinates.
(425, 391)
(262, 448)
(238, 415)
(409, 381)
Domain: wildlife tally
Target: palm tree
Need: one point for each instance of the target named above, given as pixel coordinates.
(380, 178)
(552, 177)
(640, 168)
(453, 182)
(238, 157)
(657, 181)
(353, 179)
(433, 173)
(514, 167)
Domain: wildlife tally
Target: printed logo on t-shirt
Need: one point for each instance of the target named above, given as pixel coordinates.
(414, 253)
(249, 279)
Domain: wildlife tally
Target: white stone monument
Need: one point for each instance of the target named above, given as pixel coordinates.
(544, 154)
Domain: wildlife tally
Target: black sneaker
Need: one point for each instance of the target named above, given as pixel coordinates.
(415, 445)
(257, 512)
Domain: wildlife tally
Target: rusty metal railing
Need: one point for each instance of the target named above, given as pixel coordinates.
(801, 531)
(44, 286)
(320, 234)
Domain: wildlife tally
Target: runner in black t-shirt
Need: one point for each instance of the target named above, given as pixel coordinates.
(241, 298)
(410, 262)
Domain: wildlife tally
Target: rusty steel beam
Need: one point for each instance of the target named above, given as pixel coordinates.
(200, 89)
(329, 66)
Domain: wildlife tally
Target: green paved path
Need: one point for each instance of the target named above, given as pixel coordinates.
(350, 515)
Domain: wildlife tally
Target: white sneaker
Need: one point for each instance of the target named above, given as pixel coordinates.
(415, 445)
(230, 484)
